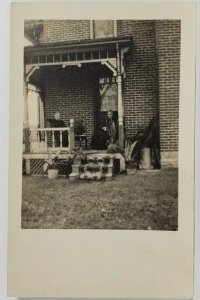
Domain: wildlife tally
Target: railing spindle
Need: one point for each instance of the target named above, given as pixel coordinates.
(61, 142)
(38, 136)
(53, 139)
(45, 136)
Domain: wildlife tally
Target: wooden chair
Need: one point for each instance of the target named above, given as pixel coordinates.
(81, 138)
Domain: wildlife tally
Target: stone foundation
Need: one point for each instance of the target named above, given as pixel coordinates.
(169, 159)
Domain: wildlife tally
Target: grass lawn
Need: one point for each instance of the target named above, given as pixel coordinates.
(145, 200)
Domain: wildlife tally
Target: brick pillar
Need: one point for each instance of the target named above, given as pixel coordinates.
(168, 38)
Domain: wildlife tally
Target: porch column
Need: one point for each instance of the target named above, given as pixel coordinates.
(120, 101)
(71, 135)
(26, 124)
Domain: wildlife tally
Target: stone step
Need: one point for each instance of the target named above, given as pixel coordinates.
(93, 176)
(94, 168)
(96, 176)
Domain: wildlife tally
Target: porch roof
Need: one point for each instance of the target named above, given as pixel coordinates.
(80, 45)
(74, 50)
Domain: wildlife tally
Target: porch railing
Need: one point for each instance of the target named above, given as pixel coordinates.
(54, 138)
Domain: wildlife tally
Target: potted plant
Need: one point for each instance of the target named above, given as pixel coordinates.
(78, 155)
(51, 166)
(113, 148)
(131, 165)
(143, 150)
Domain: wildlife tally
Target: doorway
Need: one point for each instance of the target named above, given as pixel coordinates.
(105, 100)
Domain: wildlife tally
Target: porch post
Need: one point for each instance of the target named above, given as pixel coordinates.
(71, 135)
(120, 101)
(26, 124)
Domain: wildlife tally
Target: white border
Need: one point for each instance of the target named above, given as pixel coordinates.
(4, 112)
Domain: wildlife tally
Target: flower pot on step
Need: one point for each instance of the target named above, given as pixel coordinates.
(52, 173)
(146, 159)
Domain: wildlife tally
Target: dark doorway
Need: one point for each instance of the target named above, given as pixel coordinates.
(100, 138)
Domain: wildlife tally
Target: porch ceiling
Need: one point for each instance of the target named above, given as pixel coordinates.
(96, 69)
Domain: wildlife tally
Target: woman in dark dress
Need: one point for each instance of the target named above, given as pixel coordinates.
(57, 122)
(111, 127)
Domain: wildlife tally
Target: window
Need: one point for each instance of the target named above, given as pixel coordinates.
(103, 29)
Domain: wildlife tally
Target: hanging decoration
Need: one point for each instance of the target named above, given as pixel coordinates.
(108, 94)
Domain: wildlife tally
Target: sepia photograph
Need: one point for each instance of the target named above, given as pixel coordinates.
(101, 124)
(101, 150)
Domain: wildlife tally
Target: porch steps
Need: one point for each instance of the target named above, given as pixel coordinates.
(94, 167)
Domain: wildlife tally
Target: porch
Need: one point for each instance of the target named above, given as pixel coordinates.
(53, 70)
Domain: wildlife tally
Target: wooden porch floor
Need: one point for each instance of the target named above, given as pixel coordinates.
(63, 154)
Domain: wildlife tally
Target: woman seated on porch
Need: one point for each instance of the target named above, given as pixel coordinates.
(57, 122)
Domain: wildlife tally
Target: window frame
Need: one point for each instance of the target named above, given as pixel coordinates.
(92, 28)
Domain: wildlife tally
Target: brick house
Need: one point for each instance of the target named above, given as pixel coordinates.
(70, 59)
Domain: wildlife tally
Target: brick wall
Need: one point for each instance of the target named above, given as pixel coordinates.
(151, 86)
(71, 92)
(141, 84)
(168, 35)
(65, 30)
